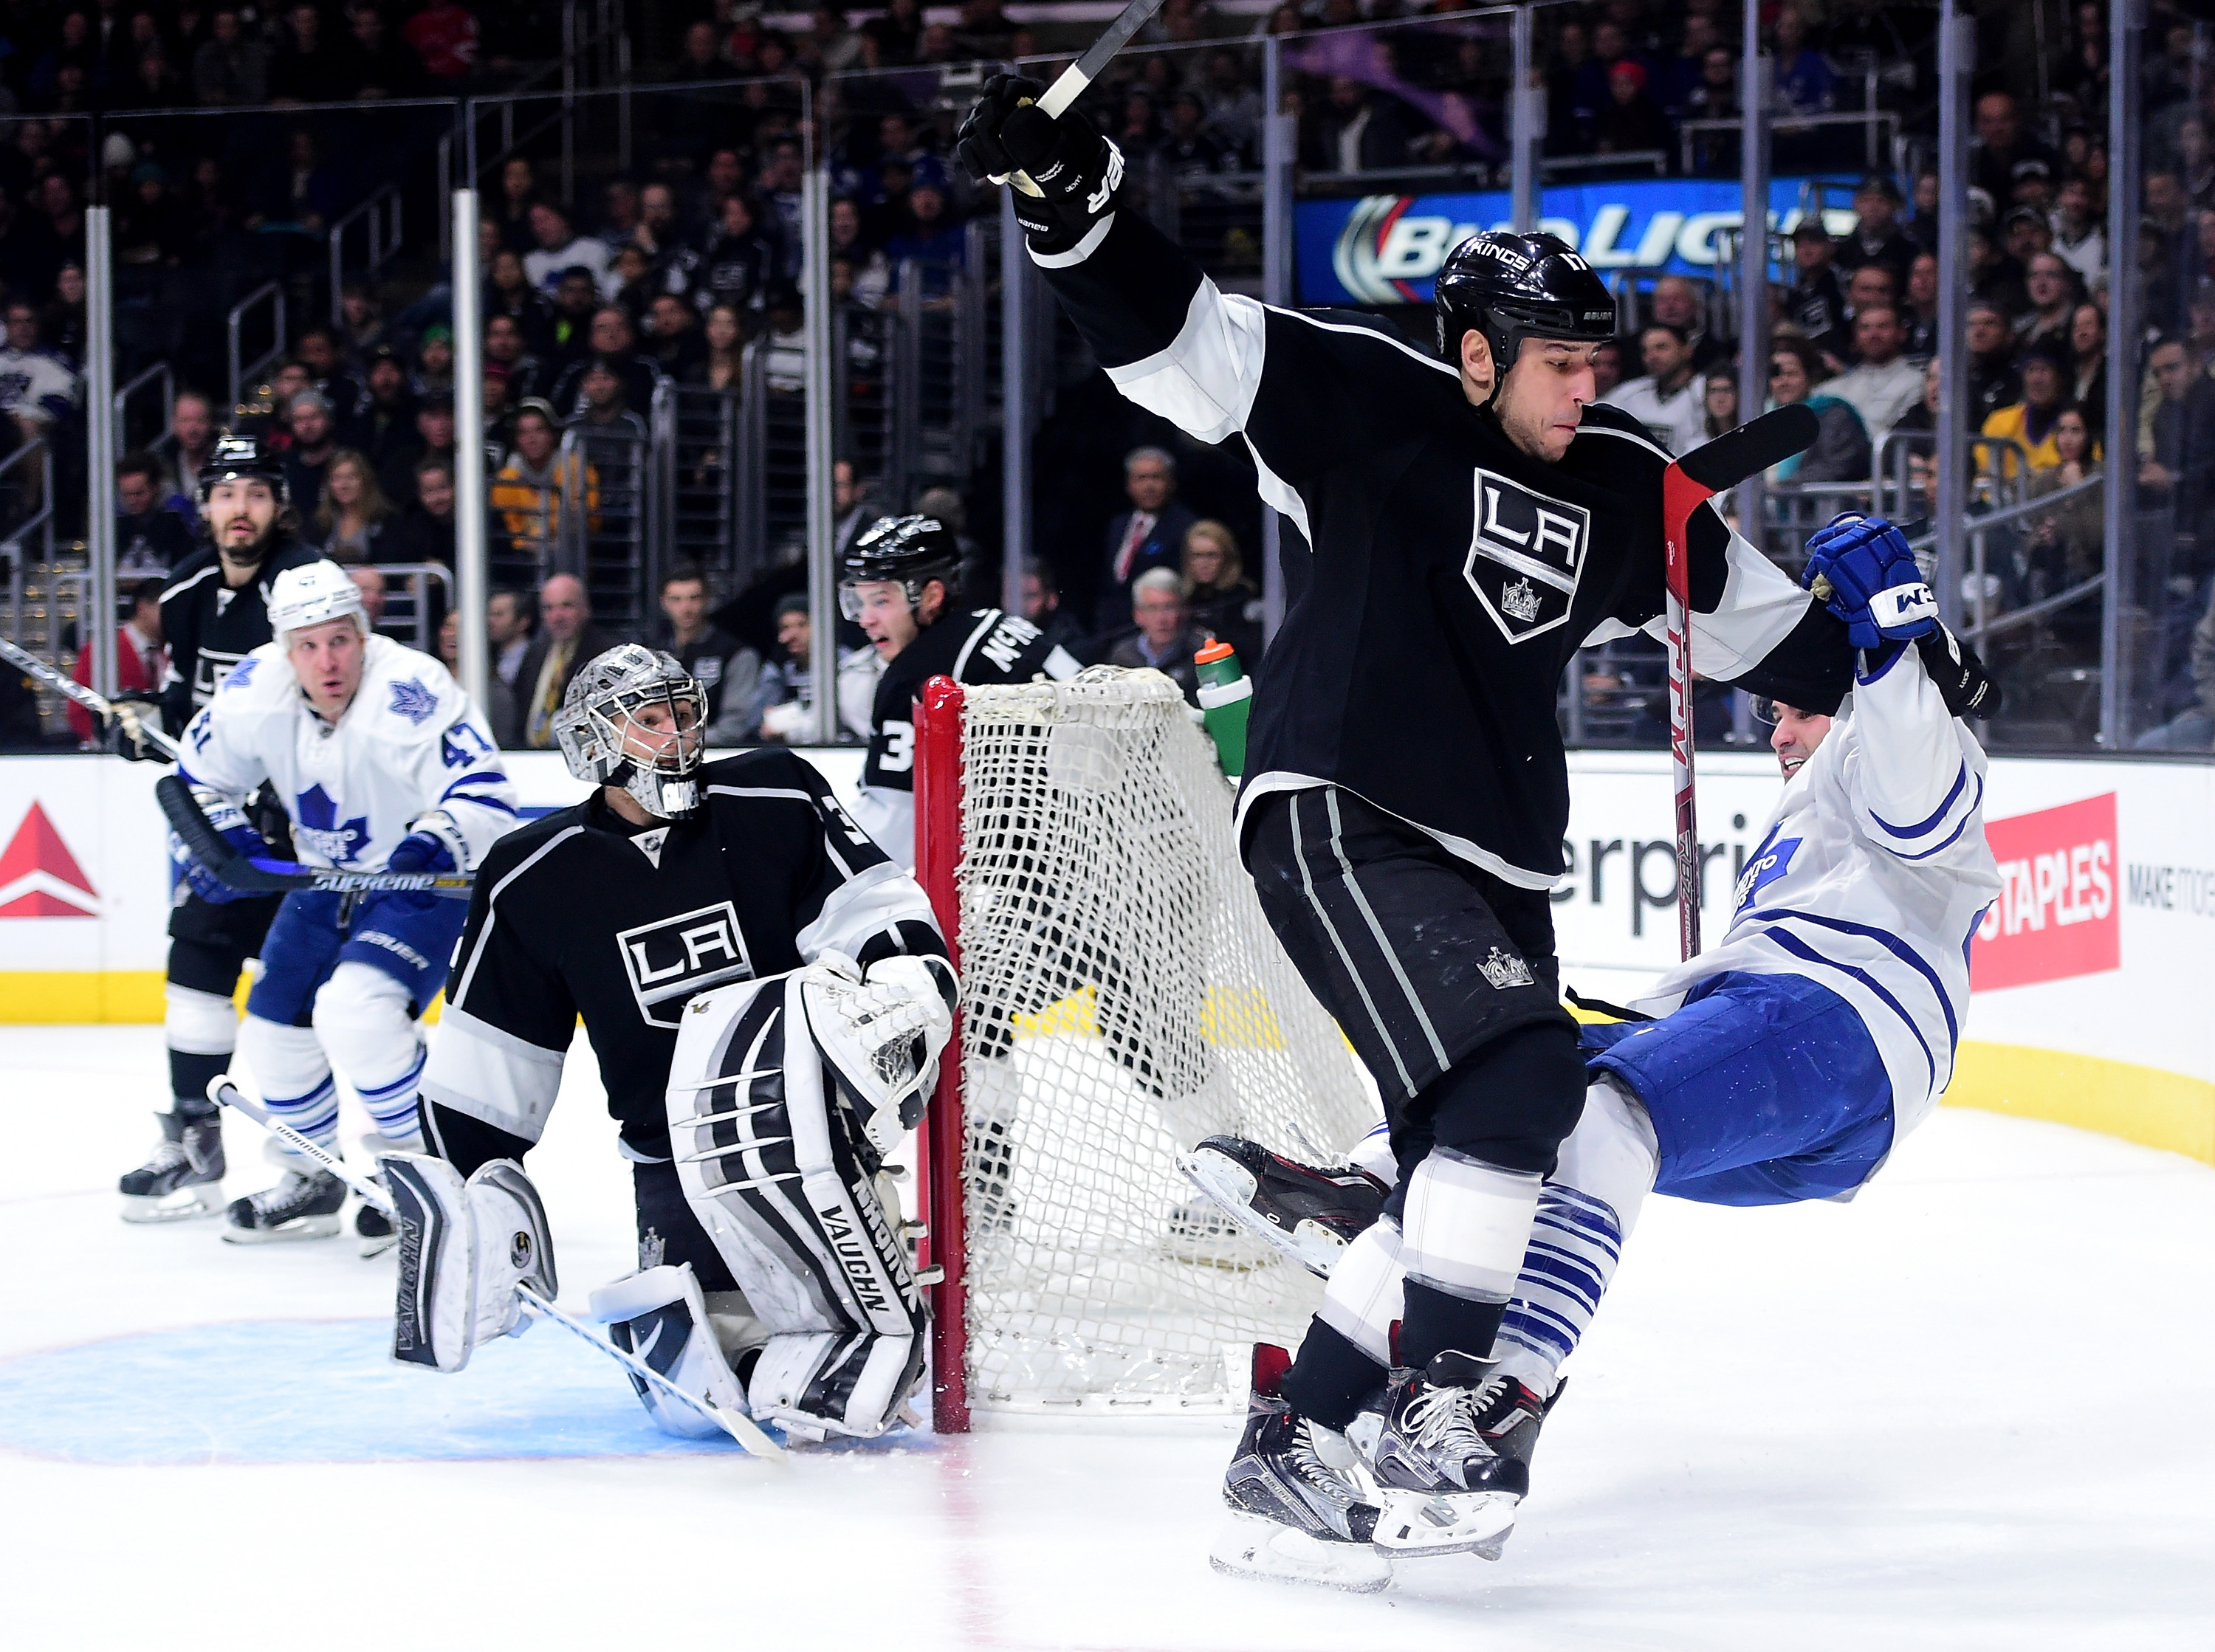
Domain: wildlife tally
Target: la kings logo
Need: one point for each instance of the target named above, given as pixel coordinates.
(669, 960)
(1525, 556)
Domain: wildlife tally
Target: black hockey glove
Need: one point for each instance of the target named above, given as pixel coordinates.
(1967, 688)
(1077, 170)
(127, 723)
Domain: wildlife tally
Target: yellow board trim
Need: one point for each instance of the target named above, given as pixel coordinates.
(93, 997)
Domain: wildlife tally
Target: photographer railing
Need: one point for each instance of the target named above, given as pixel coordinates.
(244, 371)
(379, 216)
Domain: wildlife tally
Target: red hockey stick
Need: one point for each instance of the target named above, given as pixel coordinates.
(1688, 484)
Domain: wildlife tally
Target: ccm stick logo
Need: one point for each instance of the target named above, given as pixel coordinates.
(2056, 914)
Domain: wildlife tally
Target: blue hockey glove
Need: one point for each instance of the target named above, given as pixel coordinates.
(203, 883)
(421, 852)
(1861, 567)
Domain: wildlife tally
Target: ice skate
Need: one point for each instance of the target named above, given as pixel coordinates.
(304, 1204)
(373, 1228)
(1510, 1421)
(1443, 1486)
(184, 1179)
(1309, 1215)
(1298, 1513)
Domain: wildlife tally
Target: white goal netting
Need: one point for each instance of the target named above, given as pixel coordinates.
(1123, 997)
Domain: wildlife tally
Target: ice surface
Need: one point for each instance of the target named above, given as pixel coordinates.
(1971, 1409)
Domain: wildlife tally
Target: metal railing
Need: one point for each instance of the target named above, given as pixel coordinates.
(27, 546)
(1878, 150)
(380, 215)
(244, 372)
(410, 606)
(164, 433)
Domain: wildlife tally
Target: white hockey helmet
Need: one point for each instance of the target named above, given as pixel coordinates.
(596, 718)
(312, 594)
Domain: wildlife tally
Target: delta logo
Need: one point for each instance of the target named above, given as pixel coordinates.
(39, 877)
(2057, 913)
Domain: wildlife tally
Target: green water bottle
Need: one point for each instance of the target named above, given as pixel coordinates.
(1226, 695)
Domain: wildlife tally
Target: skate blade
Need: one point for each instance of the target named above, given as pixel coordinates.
(377, 1247)
(1412, 1524)
(1231, 1187)
(300, 1227)
(1206, 1237)
(1250, 1545)
(186, 1204)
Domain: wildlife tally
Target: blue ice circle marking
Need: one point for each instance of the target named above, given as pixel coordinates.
(292, 1390)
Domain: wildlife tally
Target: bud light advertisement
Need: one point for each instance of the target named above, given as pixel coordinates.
(1386, 249)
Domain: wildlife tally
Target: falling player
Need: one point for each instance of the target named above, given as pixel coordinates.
(1473, 521)
(657, 910)
(1786, 1062)
(382, 764)
(900, 582)
(214, 613)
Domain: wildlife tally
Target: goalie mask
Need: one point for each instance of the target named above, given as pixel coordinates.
(635, 718)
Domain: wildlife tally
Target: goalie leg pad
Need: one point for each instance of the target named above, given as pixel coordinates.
(464, 1246)
(776, 1167)
(660, 1315)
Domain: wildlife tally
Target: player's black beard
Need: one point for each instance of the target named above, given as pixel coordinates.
(252, 556)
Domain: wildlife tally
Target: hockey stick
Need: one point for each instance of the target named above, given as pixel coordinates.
(1069, 85)
(98, 704)
(251, 875)
(224, 1093)
(1688, 483)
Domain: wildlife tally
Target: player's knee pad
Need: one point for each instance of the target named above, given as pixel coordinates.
(361, 1017)
(780, 1176)
(1466, 1226)
(197, 1023)
(1363, 1298)
(288, 1067)
(661, 1315)
(1510, 1102)
(464, 1246)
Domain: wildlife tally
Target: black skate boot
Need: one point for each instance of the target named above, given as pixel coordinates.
(372, 1227)
(1309, 1215)
(304, 1204)
(1510, 1421)
(1298, 1512)
(1443, 1487)
(184, 1179)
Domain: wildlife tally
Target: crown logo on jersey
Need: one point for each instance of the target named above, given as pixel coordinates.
(1504, 969)
(1529, 547)
(1519, 601)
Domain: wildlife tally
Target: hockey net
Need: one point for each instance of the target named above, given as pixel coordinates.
(1122, 998)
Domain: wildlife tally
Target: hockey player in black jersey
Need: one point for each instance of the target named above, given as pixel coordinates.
(215, 611)
(1473, 519)
(898, 583)
(673, 912)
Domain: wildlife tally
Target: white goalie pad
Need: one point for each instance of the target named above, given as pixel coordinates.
(660, 1315)
(464, 1246)
(774, 1163)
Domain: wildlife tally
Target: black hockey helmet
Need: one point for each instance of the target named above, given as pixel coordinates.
(242, 458)
(912, 550)
(1512, 287)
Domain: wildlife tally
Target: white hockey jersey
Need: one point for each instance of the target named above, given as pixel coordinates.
(410, 748)
(1870, 879)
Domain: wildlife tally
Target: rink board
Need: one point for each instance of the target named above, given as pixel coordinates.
(2095, 955)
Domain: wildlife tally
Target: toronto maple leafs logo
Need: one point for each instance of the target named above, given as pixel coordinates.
(412, 701)
(1504, 969)
(316, 826)
(240, 675)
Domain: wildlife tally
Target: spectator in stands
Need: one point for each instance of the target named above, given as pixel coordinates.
(1630, 122)
(315, 443)
(1042, 607)
(1806, 84)
(507, 356)
(1841, 452)
(1357, 129)
(369, 582)
(191, 422)
(603, 408)
(873, 276)
(319, 353)
(1716, 96)
(558, 249)
(1719, 399)
(2000, 145)
(2031, 419)
(1163, 637)
(231, 66)
(2078, 235)
(527, 491)
(434, 438)
(1871, 283)
(434, 362)
(446, 37)
(1991, 361)
(2173, 469)
(2028, 234)
(2068, 543)
(566, 639)
(1919, 315)
(1218, 598)
(377, 64)
(1680, 75)
(1884, 384)
(141, 660)
(1234, 108)
(149, 536)
(1666, 398)
(933, 241)
(2052, 292)
(424, 531)
(508, 293)
(351, 521)
(1877, 238)
(1150, 535)
(740, 266)
(2193, 729)
(1192, 153)
(615, 344)
(508, 626)
(386, 424)
(778, 190)
(674, 341)
(308, 67)
(726, 667)
(35, 388)
(2088, 380)
(1678, 301)
(722, 365)
(303, 193)
(1607, 368)
(1816, 303)
(1994, 274)
(2168, 225)
(785, 696)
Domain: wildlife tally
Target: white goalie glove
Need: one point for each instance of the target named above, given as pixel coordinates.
(464, 1246)
(882, 1032)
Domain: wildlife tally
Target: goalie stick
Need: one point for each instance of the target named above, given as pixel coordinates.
(252, 875)
(224, 1093)
(98, 704)
(1688, 483)
(1069, 85)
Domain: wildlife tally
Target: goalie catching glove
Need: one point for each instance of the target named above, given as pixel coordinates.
(464, 1246)
(883, 1031)
(1077, 170)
